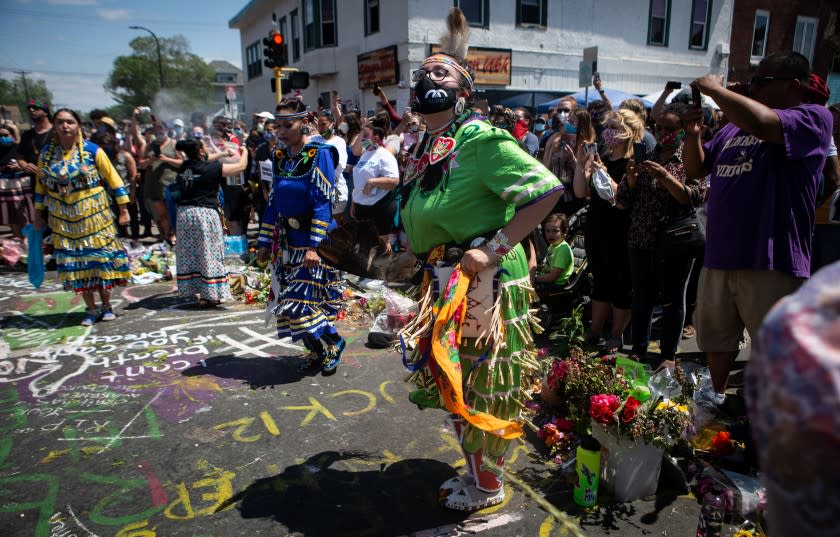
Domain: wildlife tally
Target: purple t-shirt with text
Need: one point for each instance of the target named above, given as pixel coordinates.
(762, 196)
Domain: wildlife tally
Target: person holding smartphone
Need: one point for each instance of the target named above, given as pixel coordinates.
(654, 187)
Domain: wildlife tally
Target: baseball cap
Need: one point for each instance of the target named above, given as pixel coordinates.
(178, 122)
(265, 115)
(110, 122)
(38, 103)
(818, 88)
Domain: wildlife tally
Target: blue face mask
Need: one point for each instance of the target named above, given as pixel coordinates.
(570, 129)
(539, 127)
(268, 135)
(6, 140)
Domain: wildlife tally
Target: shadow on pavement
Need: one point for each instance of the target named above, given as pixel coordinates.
(316, 500)
(255, 372)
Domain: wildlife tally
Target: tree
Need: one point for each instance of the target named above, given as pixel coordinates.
(134, 80)
(13, 93)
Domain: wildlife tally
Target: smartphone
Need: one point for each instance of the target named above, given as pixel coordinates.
(696, 98)
(377, 90)
(673, 84)
(596, 76)
(591, 148)
(640, 152)
(156, 149)
(370, 113)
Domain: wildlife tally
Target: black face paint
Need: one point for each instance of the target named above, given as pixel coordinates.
(430, 97)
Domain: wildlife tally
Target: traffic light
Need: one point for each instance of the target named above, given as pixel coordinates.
(285, 86)
(275, 50)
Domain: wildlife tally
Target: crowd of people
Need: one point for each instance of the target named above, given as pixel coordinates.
(463, 186)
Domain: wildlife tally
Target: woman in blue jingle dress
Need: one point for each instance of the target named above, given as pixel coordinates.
(305, 290)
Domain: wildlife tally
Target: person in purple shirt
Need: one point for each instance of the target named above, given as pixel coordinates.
(765, 167)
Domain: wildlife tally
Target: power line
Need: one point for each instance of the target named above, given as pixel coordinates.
(51, 72)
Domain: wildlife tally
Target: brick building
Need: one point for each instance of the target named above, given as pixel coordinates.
(763, 27)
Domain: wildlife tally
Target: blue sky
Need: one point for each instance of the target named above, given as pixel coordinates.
(71, 44)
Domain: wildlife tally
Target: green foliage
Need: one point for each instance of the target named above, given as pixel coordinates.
(570, 333)
(12, 93)
(135, 81)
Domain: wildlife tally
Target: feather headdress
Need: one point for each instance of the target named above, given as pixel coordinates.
(455, 41)
(454, 45)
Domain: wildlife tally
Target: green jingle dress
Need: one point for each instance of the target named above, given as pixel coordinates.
(486, 179)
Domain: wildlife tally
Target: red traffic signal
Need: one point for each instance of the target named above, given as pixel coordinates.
(277, 38)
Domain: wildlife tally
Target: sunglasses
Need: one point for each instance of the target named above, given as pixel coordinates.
(436, 74)
(564, 110)
(761, 81)
(286, 125)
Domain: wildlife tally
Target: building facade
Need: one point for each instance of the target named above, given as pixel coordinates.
(228, 83)
(763, 27)
(517, 46)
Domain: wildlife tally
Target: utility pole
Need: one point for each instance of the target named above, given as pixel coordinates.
(25, 85)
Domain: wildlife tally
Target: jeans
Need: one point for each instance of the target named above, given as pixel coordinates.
(649, 274)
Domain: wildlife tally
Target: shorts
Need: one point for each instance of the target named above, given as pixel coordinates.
(381, 213)
(730, 300)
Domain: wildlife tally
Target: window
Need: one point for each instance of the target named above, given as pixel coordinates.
(658, 22)
(225, 77)
(532, 12)
(701, 12)
(285, 46)
(319, 24)
(760, 32)
(805, 37)
(477, 12)
(253, 60)
(295, 36)
(371, 16)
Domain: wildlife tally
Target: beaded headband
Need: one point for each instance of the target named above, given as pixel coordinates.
(440, 58)
(295, 115)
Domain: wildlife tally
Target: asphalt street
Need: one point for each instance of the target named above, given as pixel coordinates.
(175, 421)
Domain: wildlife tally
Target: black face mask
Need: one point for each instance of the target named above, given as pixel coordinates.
(430, 97)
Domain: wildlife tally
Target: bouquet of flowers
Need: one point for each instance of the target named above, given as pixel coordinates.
(657, 421)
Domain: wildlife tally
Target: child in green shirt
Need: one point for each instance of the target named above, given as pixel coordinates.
(558, 264)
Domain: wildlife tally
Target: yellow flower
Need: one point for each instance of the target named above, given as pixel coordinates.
(670, 404)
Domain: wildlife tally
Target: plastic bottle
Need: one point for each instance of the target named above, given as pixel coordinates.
(588, 468)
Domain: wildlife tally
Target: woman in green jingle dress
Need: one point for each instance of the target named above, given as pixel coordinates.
(467, 182)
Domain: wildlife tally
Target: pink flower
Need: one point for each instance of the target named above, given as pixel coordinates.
(602, 408)
(542, 352)
(563, 424)
(533, 405)
(557, 373)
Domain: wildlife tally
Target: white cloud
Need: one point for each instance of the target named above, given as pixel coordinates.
(114, 14)
(79, 92)
(40, 62)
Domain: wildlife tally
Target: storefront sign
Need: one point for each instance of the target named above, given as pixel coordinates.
(491, 65)
(378, 67)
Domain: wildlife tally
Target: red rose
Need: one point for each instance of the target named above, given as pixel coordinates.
(631, 406)
(722, 444)
(602, 408)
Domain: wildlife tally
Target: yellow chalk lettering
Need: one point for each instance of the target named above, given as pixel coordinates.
(241, 425)
(270, 426)
(384, 394)
(138, 529)
(182, 500)
(314, 409)
(370, 406)
(547, 526)
(221, 481)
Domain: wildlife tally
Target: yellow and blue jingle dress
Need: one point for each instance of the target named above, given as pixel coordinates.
(73, 185)
(298, 216)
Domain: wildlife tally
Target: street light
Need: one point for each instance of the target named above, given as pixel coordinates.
(160, 62)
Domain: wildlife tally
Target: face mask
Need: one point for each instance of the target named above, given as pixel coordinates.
(539, 127)
(367, 145)
(343, 128)
(564, 116)
(238, 132)
(669, 141)
(569, 128)
(260, 127)
(179, 130)
(6, 140)
(268, 135)
(611, 137)
(430, 97)
(327, 133)
(415, 128)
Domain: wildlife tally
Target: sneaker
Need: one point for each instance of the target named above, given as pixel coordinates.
(720, 398)
(107, 315)
(90, 318)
